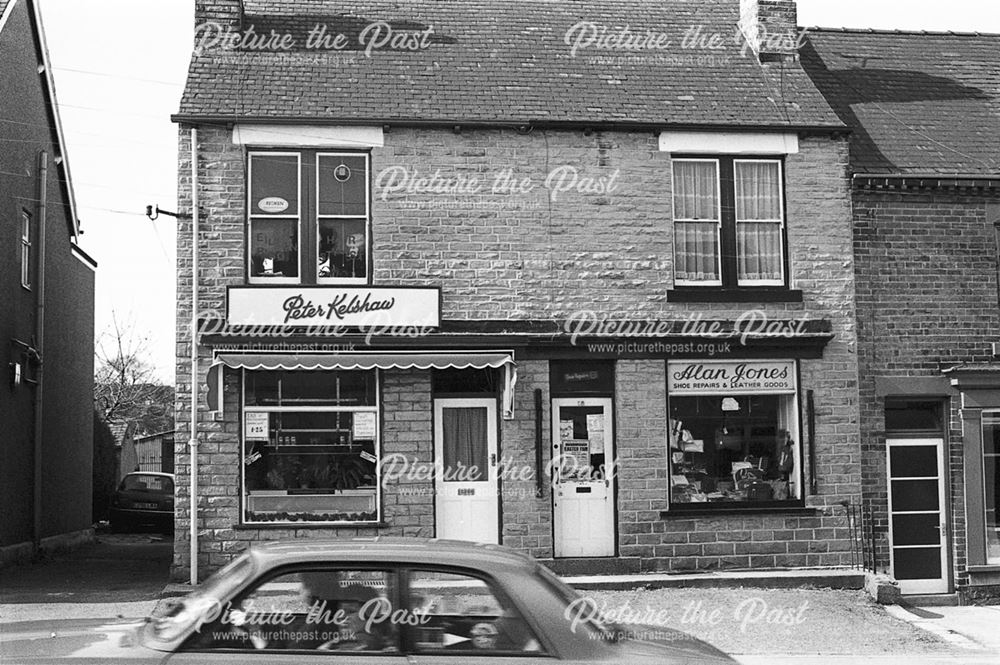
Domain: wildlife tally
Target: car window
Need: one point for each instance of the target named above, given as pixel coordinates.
(323, 609)
(463, 613)
(142, 483)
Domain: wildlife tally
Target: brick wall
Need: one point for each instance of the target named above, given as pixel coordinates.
(540, 255)
(926, 275)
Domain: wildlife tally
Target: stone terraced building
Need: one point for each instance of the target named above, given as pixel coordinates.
(509, 273)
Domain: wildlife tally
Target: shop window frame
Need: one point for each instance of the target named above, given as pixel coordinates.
(244, 522)
(308, 226)
(796, 504)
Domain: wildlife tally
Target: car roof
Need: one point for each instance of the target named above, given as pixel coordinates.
(388, 549)
(150, 473)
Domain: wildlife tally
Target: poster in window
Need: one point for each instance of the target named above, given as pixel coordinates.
(364, 425)
(595, 422)
(255, 426)
(565, 430)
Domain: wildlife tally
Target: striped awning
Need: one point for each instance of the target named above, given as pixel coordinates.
(364, 361)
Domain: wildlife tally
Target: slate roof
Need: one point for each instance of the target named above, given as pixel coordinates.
(916, 102)
(500, 62)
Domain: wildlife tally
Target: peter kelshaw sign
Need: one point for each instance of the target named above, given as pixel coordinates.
(345, 307)
(747, 377)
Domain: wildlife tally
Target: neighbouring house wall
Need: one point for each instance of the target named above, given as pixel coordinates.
(926, 276)
(68, 348)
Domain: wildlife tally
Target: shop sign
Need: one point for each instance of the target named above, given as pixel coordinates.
(273, 204)
(343, 307)
(748, 377)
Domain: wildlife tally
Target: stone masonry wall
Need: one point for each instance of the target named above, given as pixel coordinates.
(538, 254)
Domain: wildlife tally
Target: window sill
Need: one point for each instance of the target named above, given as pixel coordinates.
(683, 513)
(746, 294)
(984, 568)
(254, 526)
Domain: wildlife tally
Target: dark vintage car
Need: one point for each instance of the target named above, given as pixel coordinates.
(377, 601)
(144, 499)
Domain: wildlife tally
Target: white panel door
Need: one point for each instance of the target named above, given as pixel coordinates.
(917, 511)
(583, 502)
(465, 453)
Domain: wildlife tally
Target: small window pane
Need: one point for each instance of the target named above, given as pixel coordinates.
(464, 614)
(696, 190)
(758, 246)
(912, 416)
(758, 191)
(274, 247)
(343, 185)
(696, 251)
(343, 250)
(317, 388)
(274, 185)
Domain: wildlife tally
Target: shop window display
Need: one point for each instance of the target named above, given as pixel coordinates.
(311, 446)
(733, 448)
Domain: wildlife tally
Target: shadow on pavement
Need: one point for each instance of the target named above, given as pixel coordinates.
(116, 568)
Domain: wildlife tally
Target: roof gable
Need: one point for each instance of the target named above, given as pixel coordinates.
(7, 8)
(510, 62)
(917, 102)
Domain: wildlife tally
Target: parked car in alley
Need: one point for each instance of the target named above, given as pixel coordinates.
(144, 499)
(389, 600)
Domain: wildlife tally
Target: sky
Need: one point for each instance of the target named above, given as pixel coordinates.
(119, 68)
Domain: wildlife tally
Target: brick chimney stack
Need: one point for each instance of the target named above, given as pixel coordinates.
(770, 28)
(224, 12)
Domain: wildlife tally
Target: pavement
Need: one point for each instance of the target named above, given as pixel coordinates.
(124, 575)
(120, 575)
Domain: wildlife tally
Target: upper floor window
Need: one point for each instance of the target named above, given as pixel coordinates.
(309, 217)
(25, 249)
(728, 222)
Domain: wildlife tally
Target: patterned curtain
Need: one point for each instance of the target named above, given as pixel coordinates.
(758, 221)
(696, 251)
(696, 248)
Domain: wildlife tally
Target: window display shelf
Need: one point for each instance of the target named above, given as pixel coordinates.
(315, 449)
(348, 501)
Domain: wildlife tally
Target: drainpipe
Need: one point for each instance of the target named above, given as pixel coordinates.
(193, 442)
(43, 176)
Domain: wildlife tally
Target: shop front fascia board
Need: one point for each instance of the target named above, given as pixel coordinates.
(547, 339)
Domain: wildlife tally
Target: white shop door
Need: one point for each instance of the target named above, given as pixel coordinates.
(583, 502)
(465, 453)
(917, 527)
